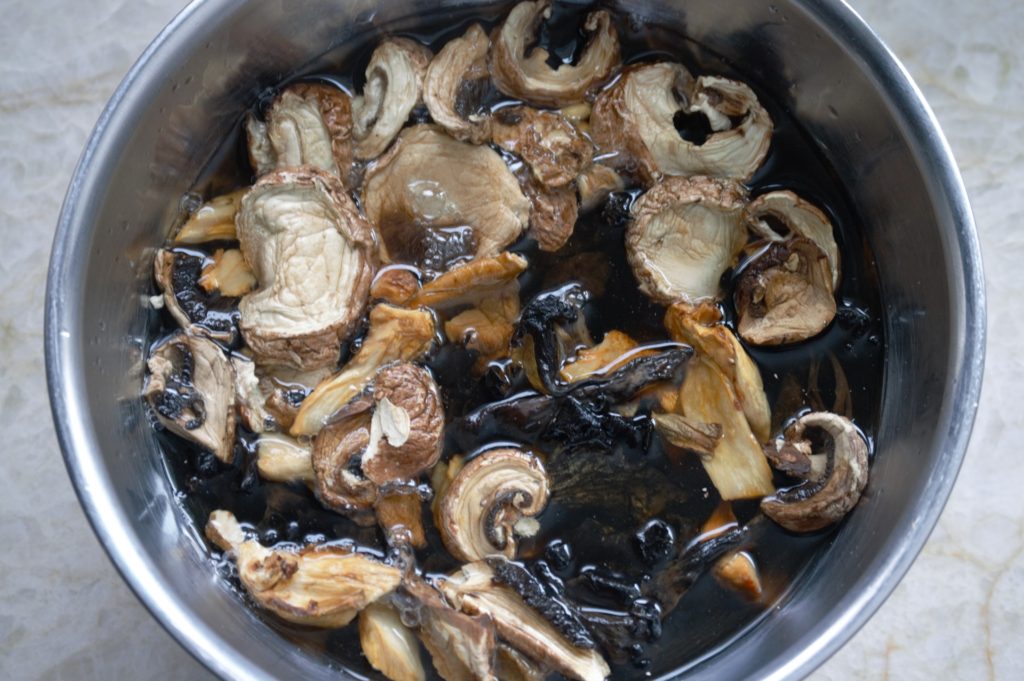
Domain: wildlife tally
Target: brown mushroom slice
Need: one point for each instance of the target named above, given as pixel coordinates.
(212, 221)
(530, 78)
(797, 217)
(227, 274)
(395, 334)
(395, 284)
(319, 587)
(683, 235)
(474, 590)
(307, 124)
(313, 255)
(471, 282)
(836, 479)
(400, 514)
(429, 182)
(549, 144)
(340, 484)
(190, 384)
(492, 502)
(455, 79)
(614, 350)
(280, 458)
(389, 646)
(785, 294)
(394, 81)
(738, 571)
(487, 328)
(595, 183)
(177, 274)
(553, 216)
(286, 389)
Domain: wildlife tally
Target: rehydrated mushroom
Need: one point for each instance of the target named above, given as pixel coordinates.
(455, 79)
(553, 216)
(475, 589)
(738, 571)
(307, 124)
(394, 79)
(595, 183)
(203, 313)
(389, 646)
(693, 436)
(395, 334)
(834, 478)
(317, 586)
(313, 255)
(614, 350)
(471, 282)
(339, 480)
(227, 274)
(400, 514)
(635, 121)
(285, 391)
(428, 183)
(530, 78)
(785, 294)
(280, 458)
(394, 284)
(249, 396)
(549, 144)
(487, 328)
(492, 502)
(512, 665)
(212, 221)
(190, 385)
(683, 235)
(795, 217)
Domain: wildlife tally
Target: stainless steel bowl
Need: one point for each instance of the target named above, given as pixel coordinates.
(187, 91)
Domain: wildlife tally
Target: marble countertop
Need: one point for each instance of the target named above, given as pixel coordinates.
(66, 614)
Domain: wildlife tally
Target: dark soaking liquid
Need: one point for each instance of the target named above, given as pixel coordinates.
(607, 513)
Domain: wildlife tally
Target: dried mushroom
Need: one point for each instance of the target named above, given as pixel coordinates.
(471, 282)
(318, 586)
(488, 328)
(389, 646)
(491, 503)
(340, 483)
(280, 458)
(307, 124)
(779, 215)
(190, 386)
(200, 312)
(428, 183)
(394, 80)
(314, 258)
(683, 235)
(395, 284)
(634, 121)
(834, 477)
(595, 183)
(549, 144)
(249, 397)
(455, 79)
(524, 73)
(399, 512)
(212, 221)
(227, 274)
(738, 571)
(553, 215)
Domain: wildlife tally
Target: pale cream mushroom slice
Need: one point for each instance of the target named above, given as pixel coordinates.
(785, 295)
(455, 81)
(834, 477)
(190, 386)
(250, 398)
(212, 221)
(546, 141)
(227, 274)
(683, 235)
(595, 183)
(307, 124)
(524, 73)
(318, 586)
(280, 458)
(389, 646)
(634, 122)
(394, 82)
(491, 503)
(201, 312)
(314, 257)
(780, 215)
(435, 200)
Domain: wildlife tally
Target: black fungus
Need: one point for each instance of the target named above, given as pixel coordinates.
(670, 584)
(540, 320)
(656, 540)
(559, 555)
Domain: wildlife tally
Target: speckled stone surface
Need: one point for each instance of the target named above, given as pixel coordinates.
(66, 614)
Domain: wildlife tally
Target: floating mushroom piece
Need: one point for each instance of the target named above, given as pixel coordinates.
(190, 385)
(399, 510)
(693, 436)
(317, 586)
(200, 312)
(455, 79)
(634, 121)
(491, 503)
(487, 328)
(395, 284)
(280, 458)
(834, 478)
(738, 571)
(428, 183)
(389, 646)
(212, 221)
(227, 274)
(470, 282)
(798, 218)
(549, 144)
(512, 665)
(307, 124)
(394, 81)
(314, 257)
(340, 483)
(684, 233)
(529, 77)
(553, 214)
(249, 396)
(595, 183)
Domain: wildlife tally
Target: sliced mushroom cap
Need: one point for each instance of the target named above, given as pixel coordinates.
(796, 217)
(314, 257)
(202, 313)
(394, 79)
(595, 183)
(455, 79)
(429, 182)
(529, 77)
(307, 124)
(280, 458)
(548, 143)
(785, 294)
(212, 221)
(320, 587)
(471, 282)
(249, 396)
(635, 119)
(837, 474)
(191, 387)
(389, 646)
(553, 216)
(227, 274)
(491, 502)
(337, 456)
(684, 234)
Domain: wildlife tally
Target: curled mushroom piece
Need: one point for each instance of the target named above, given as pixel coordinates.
(471, 282)
(199, 311)
(394, 78)
(339, 480)
(683, 235)
(389, 646)
(553, 216)
(212, 221)
(492, 502)
(228, 274)
(307, 124)
(249, 397)
(190, 385)
(435, 200)
(319, 587)
(595, 183)
(455, 80)
(635, 120)
(530, 78)
(549, 144)
(314, 258)
(779, 215)
(280, 458)
(835, 474)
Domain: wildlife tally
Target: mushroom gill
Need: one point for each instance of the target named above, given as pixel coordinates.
(455, 78)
